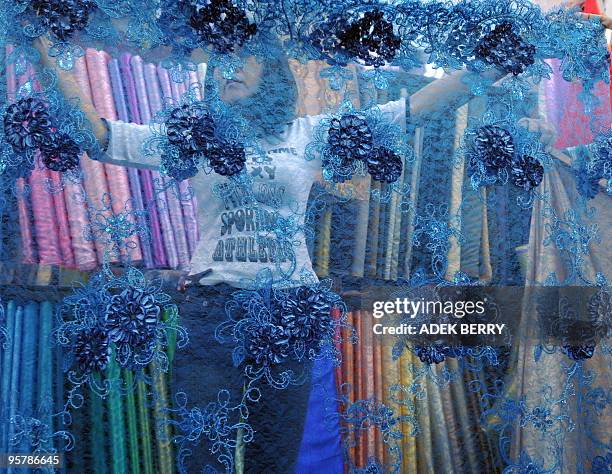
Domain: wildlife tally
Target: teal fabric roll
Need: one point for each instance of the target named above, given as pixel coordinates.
(45, 363)
(28, 365)
(5, 377)
(13, 395)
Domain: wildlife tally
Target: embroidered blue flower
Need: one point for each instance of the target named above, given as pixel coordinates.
(268, 344)
(430, 354)
(372, 467)
(493, 149)
(227, 158)
(540, 417)
(26, 124)
(601, 165)
(587, 185)
(527, 172)
(63, 18)
(502, 47)
(179, 166)
(384, 165)
(579, 352)
(600, 312)
(602, 465)
(306, 315)
(131, 320)
(350, 137)
(220, 24)
(92, 350)
(60, 152)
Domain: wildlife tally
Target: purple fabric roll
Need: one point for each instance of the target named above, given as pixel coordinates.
(160, 198)
(134, 177)
(174, 203)
(146, 180)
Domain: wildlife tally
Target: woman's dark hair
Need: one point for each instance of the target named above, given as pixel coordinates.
(274, 104)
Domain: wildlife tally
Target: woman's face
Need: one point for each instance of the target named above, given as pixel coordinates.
(244, 82)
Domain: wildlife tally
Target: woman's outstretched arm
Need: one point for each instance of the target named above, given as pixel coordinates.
(444, 94)
(121, 141)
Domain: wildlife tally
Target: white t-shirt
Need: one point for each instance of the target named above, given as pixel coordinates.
(233, 242)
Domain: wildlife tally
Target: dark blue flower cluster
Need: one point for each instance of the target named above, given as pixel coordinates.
(350, 139)
(220, 24)
(579, 352)
(306, 315)
(26, 124)
(92, 350)
(301, 319)
(384, 165)
(369, 39)
(63, 18)
(436, 353)
(191, 132)
(503, 48)
(268, 344)
(28, 127)
(60, 152)
(527, 172)
(131, 321)
(494, 149)
(129, 324)
(494, 153)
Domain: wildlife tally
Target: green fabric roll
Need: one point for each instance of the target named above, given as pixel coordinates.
(132, 423)
(97, 431)
(145, 428)
(115, 418)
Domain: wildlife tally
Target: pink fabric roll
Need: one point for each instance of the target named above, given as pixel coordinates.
(566, 111)
(95, 176)
(174, 203)
(78, 221)
(45, 218)
(28, 252)
(102, 93)
(160, 197)
(43, 211)
(193, 83)
(63, 226)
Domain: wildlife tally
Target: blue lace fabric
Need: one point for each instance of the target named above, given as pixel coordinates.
(307, 157)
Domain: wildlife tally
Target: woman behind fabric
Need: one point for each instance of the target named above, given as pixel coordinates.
(264, 93)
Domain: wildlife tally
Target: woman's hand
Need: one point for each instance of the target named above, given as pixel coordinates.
(606, 21)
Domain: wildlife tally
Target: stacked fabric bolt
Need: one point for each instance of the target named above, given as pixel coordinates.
(55, 231)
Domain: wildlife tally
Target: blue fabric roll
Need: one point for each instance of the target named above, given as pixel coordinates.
(320, 451)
